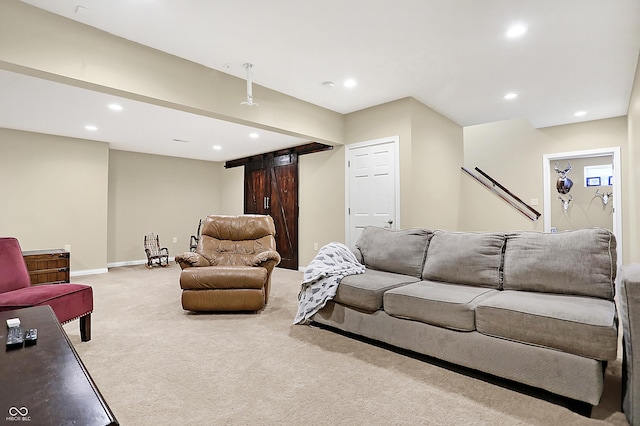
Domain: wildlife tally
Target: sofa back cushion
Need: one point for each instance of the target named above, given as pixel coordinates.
(581, 262)
(398, 251)
(465, 258)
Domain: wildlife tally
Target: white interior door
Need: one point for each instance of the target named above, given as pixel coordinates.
(372, 186)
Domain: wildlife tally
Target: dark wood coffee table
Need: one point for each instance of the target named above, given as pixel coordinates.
(47, 383)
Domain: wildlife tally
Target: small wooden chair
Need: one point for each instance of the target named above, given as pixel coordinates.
(155, 253)
(195, 238)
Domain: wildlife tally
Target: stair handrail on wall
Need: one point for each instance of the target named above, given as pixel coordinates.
(506, 195)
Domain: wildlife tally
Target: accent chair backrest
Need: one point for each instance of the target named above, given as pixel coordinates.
(234, 240)
(13, 270)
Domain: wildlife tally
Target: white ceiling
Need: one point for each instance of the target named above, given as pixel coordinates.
(451, 55)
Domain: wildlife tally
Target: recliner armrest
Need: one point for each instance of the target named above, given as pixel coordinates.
(191, 259)
(629, 294)
(265, 256)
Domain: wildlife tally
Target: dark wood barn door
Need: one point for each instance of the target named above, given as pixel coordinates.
(271, 187)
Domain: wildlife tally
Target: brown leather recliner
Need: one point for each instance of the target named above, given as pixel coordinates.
(232, 265)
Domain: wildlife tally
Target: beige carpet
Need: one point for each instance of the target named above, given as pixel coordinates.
(156, 364)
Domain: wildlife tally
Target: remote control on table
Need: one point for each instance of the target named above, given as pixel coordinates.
(31, 337)
(15, 337)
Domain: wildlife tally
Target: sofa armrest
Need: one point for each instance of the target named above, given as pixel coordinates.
(629, 294)
(357, 253)
(191, 259)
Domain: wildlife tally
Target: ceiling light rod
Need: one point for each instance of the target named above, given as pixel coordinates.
(249, 100)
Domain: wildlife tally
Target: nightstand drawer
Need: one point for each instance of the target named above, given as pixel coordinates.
(48, 266)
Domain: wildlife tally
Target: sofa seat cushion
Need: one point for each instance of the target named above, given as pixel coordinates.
(364, 291)
(223, 277)
(445, 305)
(580, 262)
(584, 326)
(68, 301)
(398, 251)
(465, 258)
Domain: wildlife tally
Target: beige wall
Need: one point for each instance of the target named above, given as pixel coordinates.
(436, 155)
(631, 177)
(432, 148)
(431, 151)
(511, 152)
(54, 193)
(321, 201)
(389, 119)
(232, 191)
(163, 195)
(429, 143)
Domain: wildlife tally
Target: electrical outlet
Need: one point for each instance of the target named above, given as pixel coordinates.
(175, 240)
(67, 247)
(315, 246)
(534, 202)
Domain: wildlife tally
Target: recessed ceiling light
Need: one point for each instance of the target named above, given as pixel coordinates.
(516, 30)
(217, 147)
(91, 127)
(180, 140)
(115, 107)
(580, 113)
(254, 135)
(511, 95)
(350, 83)
(328, 84)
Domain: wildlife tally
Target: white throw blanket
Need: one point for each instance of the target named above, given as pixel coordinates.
(321, 278)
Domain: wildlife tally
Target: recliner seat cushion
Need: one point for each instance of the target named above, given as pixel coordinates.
(223, 277)
(585, 326)
(365, 291)
(581, 262)
(397, 251)
(445, 305)
(465, 258)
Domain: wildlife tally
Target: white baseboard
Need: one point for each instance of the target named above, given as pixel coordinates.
(88, 272)
(132, 263)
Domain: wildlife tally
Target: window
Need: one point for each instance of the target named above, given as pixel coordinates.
(601, 175)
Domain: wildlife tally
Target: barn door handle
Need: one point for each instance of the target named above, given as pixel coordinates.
(268, 201)
(265, 203)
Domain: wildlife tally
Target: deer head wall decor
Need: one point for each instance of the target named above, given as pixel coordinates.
(563, 184)
(565, 203)
(604, 196)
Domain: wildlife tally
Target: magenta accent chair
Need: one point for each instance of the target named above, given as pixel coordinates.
(68, 301)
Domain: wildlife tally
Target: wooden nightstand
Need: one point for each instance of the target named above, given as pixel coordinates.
(48, 266)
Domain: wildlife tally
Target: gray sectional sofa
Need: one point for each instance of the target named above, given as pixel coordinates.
(629, 295)
(529, 307)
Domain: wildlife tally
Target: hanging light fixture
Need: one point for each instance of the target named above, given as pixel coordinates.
(249, 100)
